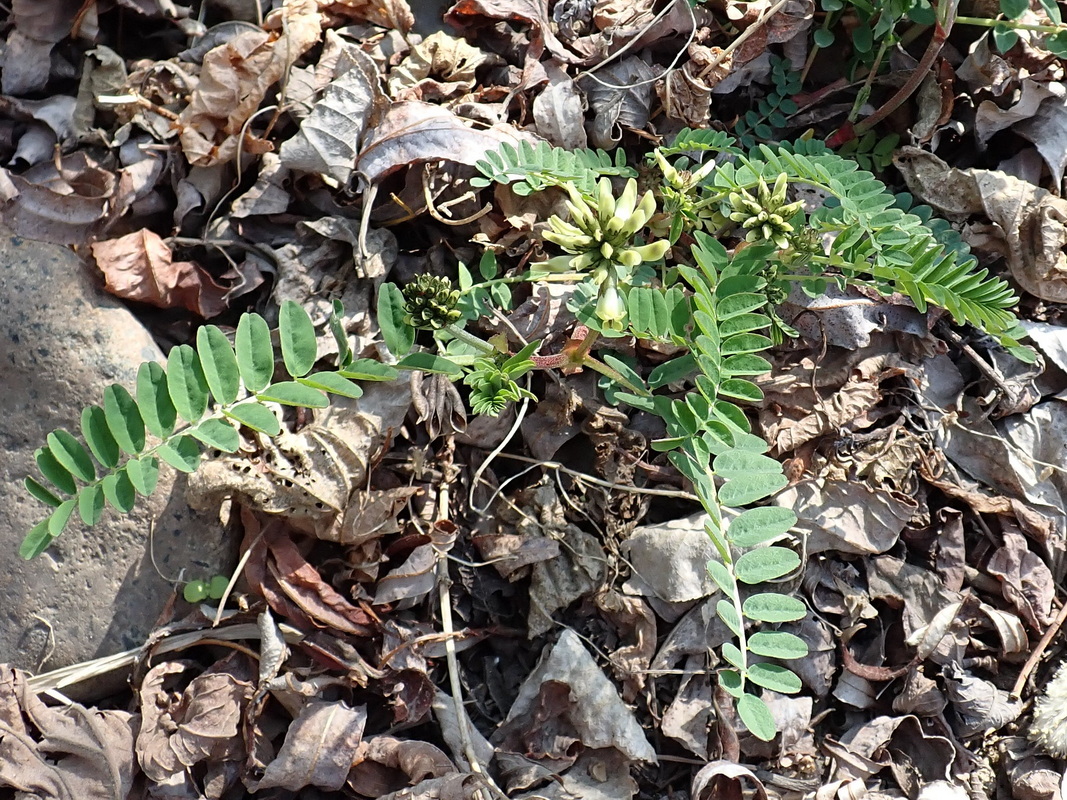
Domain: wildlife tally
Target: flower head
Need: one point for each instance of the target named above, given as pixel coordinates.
(600, 238)
(766, 215)
(430, 302)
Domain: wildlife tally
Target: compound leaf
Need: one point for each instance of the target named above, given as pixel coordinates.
(291, 393)
(186, 382)
(69, 452)
(119, 491)
(36, 541)
(772, 607)
(219, 363)
(124, 419)
(143, 474)
(297, 335)
(758, 525)
(765, 564)
(256, 416)
(58, 521)
(399, 336)
(153, 400)
(98, 436)
(255, 354)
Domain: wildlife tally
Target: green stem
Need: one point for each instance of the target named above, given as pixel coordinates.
(604, 369)
(480, 345)
(1016, 26)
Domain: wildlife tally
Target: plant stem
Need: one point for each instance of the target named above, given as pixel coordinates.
(480, 345)
(1015, 26)
(527, 277)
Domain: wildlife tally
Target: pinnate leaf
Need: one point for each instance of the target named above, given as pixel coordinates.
(777, 644)
(367, 369)
(772, 607)
(757, 717)
(257, 417)
(98, 436)
(91, 504)
(71, 454)
(728, 614)
(750, 488)
(774, 677)
(291, 393)
(721, 575)
(255, 354)
(182, 452)
(124, 419)
(153, 400)
(219, 364)
(187, 384)
(429, 362)
(297, 335)
(765, 564)
(54, 472)
(758, 525)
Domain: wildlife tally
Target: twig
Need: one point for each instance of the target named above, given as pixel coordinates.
(740, 40)
(1039, 650)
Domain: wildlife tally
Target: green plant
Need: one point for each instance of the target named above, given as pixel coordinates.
(721, 308)
(767, 122)
(718, 305)
(203, 397)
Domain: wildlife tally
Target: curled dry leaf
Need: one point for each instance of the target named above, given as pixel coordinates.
(438, 68)
(384, 764)
(390, 14)
(69, 752)
(139, 266)
(471, 15)
(38, 26)
(1026, 580)
(319, 748)
(234, 80)
(199, 725)
(620, 97)
(726, 779)
(68, 205)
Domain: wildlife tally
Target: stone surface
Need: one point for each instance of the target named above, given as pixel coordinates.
(95, 591)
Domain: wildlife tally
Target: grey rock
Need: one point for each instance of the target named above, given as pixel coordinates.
(95, 591)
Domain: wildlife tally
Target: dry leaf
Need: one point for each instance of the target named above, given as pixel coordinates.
(392, 14)
(64, 752)
(319, 748)
(139, 266)
(234, 79)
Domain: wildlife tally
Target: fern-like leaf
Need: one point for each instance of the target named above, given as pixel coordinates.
(532, 168)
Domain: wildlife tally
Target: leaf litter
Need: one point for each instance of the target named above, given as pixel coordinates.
(421, 619)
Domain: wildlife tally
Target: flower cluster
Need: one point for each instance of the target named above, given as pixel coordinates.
(1049, 728)
(430, 302)
(765, 216)
(600, 238)
(684, 205)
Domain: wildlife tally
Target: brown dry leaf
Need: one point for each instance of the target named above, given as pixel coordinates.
(385, 764)
(412, 579)
(723, 779)
(329, 137)
(38, 26)
(847, 516)
(559, 110)
(669, 560)
(390, 14)
(469, 16)
(914, 758)
(301, 583)
(1026, 581)
(450, 61)
(981, 706)
(691, 713)
(414, 132)
(234, 79)
(139, 266)
(319, 748)
(202, 724)
(64, 752)
(68, 205)
(620, 96)
(686, 92)
(598, 715)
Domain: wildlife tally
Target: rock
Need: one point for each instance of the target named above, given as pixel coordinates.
(95, 591)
